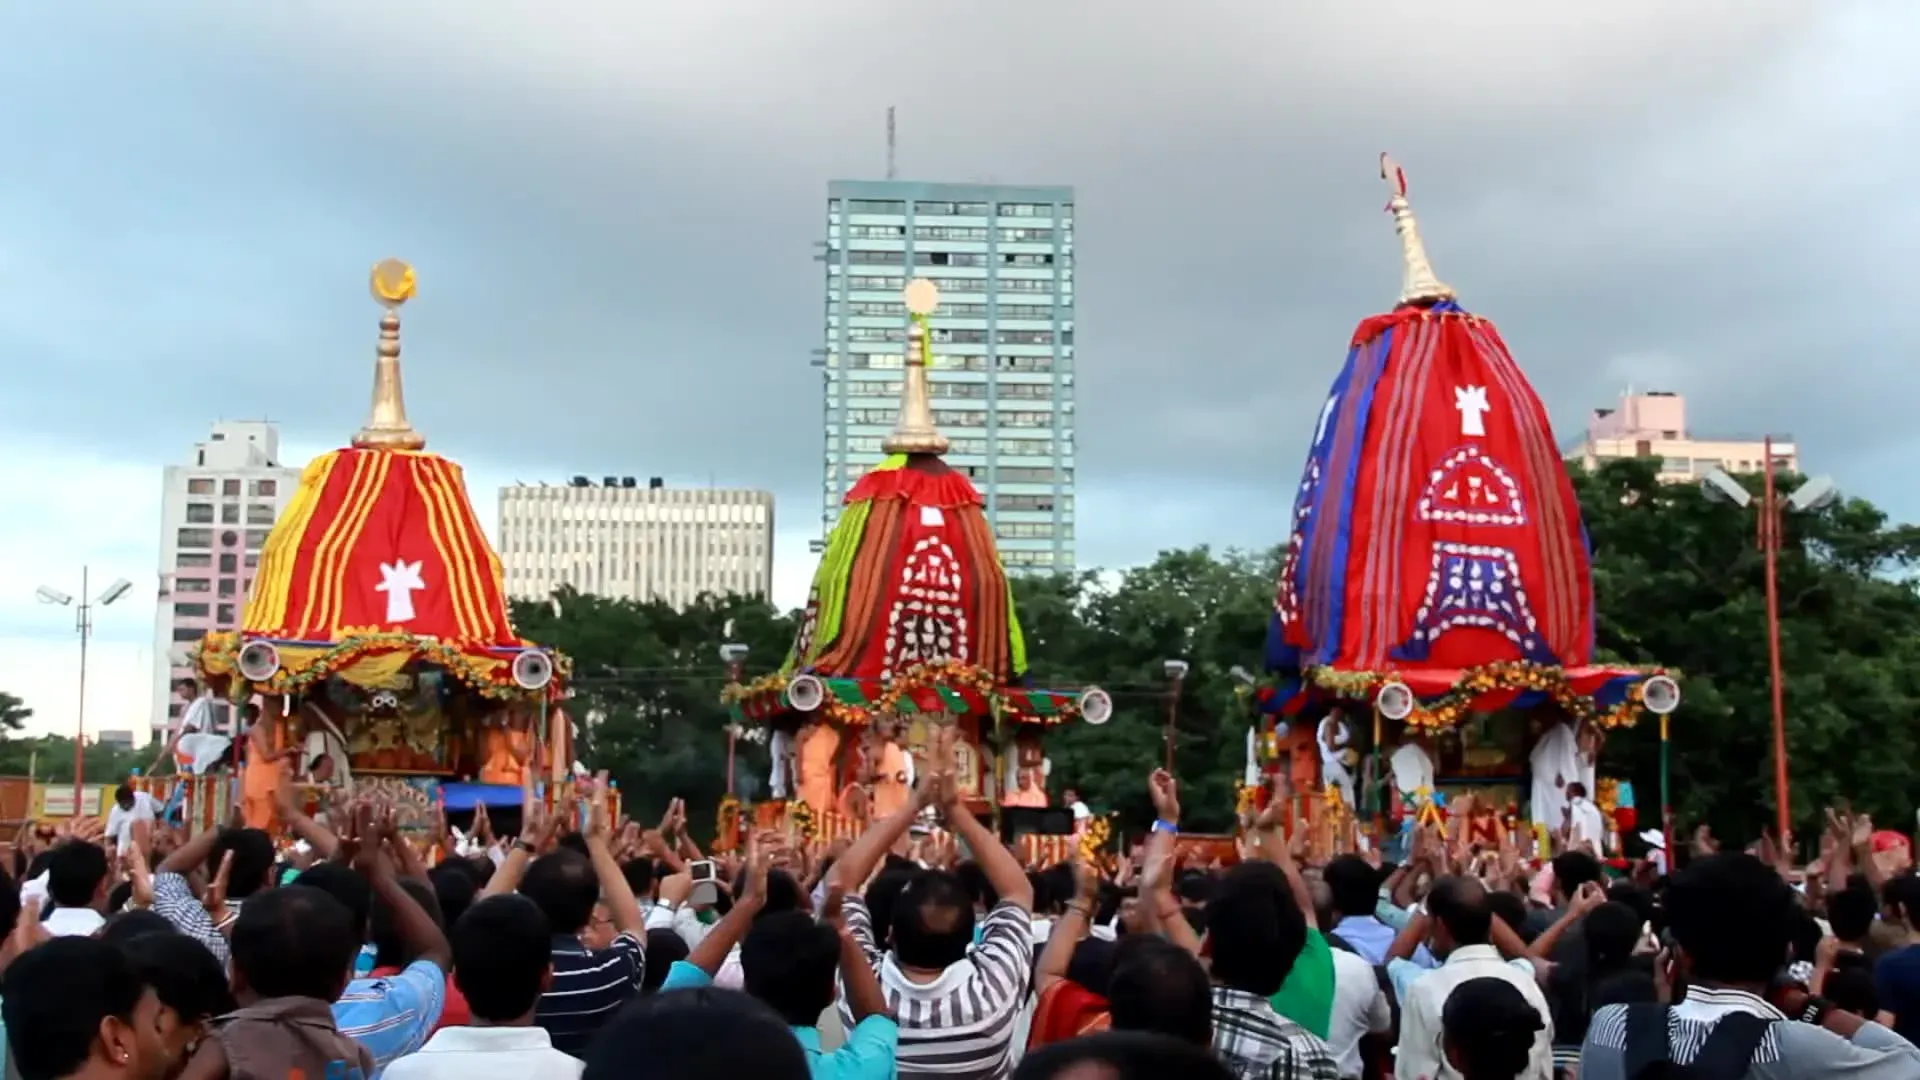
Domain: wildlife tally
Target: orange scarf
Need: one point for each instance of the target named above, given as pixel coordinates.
(1067, 1010)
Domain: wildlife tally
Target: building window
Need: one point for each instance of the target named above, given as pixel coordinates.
(192, 611)
(1026, 210)
(260, 514)
(230, 514)
(200, 513)
(224, 615)
(194, 538)
(200, 485)
(192, 585)
(185, 634)
(227, 588)
(255, 539)
(192, 561)
(253, 560)
(230, 488)
(263, 489)
(877, 206)
(229, 563)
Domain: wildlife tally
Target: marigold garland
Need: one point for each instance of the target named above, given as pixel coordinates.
(1099, 831)
(800, 818)
(491, 676)
(934, 675)
(1434, 715)
(726, 824)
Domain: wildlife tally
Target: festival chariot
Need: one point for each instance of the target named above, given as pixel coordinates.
(1433, 625)
(376, 640)
(909, 624)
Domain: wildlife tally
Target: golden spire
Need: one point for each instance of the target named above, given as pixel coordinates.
(1418, 285)
(913, 432)
(387, 428)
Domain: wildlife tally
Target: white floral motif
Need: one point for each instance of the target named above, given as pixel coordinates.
(926, 621)
(1469, 487)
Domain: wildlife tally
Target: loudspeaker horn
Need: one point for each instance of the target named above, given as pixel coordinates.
(1660, 694)
(532, 669)
(806, 693)
(1394, 701)
(259, 661)
(1096, 706)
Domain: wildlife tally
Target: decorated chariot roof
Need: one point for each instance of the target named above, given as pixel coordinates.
(1436, 539)
(910, 609)
(378, 562)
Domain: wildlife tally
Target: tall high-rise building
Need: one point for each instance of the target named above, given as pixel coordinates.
(620, 539)
(1653, 424)
(215, 512)
(1002, 345)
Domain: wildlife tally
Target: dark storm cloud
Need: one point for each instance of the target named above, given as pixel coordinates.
(613, 209)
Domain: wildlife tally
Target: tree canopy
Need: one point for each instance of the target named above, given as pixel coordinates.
(1678, 581)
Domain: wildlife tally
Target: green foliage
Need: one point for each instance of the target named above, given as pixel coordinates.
(1678, 581)
(50, 758)
(13, 712)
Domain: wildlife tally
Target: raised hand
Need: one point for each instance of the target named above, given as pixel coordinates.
(1165, 791)
(215, 900)
(139, 876)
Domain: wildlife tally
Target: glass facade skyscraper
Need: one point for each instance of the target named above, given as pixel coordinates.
(1002, 348)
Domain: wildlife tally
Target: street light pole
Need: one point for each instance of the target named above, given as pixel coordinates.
(83, 623)
(1769, 525)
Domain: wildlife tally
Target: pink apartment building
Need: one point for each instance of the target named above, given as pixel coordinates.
(1654, 424)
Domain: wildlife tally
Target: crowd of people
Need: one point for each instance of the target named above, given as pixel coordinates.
(585, 946)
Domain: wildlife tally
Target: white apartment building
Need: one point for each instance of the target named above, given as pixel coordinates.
(1653, 424)
(215, 512)
(619, 539)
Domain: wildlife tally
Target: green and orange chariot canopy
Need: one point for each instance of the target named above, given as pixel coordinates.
(910, 610)
(379, 565)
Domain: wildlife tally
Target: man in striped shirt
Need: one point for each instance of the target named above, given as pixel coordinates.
(957, 1012)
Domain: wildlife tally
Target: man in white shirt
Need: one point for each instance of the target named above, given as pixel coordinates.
(1334, 738)
(1462, 925)
(129, 807)
(1082, 816)
(502, 958)
(1360, 1008)
(77, 884)
(1586, 825)
(193, 744)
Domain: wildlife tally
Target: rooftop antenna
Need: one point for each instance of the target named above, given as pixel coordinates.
(892, 144)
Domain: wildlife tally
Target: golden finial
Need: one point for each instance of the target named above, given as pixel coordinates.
(392, 284)
(913, 432)
(1418, 285)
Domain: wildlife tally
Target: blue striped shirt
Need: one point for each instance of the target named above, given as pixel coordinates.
(588, 987)
(392, 1015)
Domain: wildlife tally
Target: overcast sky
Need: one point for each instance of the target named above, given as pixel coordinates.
(611, 205)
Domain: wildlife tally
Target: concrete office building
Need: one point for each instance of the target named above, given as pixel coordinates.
(1002, 345)
(617, 538)
(216, 510)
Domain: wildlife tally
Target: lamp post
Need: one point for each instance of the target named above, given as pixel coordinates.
(734, 655)
(83, 623)
(1814, 494)
(1176, 672)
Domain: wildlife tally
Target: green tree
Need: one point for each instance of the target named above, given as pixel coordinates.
(1679, 580)
(50, 758)
(13, 712)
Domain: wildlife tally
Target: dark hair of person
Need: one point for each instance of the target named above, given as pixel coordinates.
(562, 882)
(1157, 986)
(1354, 884)
(665, 948)
(1851, 911)
(1091, 964)
(783, 893)
(1510, 908)
(1572, 869)
(789, 961)
(1060, 887)
(389, 946)
(1106, 903)
(1608, 936)
(1807, 932)
(1125, 1055)
(1733, 916)
(502, 950)
(1460, 904)
(1902, 898)
(299, 941)
(347, 885)
(453, 889)
(54, 998)
(639, 875)
(124, 926)
(118, 896)
(1635, 897)
(184, 975)
(1256, 929)
(1851, 987)
(75, 870)
(932, 921)
(573, 842)
(123, 796)
(1490, 1027)
(1194, 887)
(977, 885)
(9, 900)
(707, 1032)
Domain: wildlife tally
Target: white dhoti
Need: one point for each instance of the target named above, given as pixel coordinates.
(781, 746)
(1555, 763)
(198, 751)
(1333, 765)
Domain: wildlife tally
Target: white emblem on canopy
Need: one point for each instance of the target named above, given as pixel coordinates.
(399, 580)
(1472, 403)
